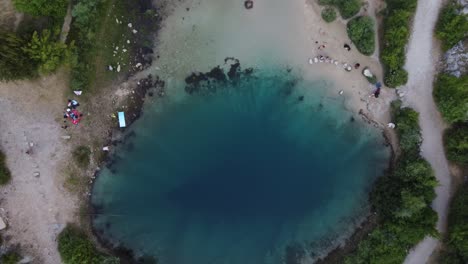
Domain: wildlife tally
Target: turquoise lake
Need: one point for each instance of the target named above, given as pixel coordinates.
(251, 170)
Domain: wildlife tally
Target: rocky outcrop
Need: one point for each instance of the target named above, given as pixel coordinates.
(456, 59)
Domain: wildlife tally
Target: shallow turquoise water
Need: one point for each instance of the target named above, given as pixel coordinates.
(238, 174)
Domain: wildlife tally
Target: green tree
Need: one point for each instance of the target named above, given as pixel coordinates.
(451, 97)
(328, 14)
(46, 51)
(10, 258)
(396, 30)
(50, 8)
(347, 8)
(14, 62)
(452, 25)
(456, 143)
(361, 32)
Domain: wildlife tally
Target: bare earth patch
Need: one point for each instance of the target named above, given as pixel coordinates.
(35, 204)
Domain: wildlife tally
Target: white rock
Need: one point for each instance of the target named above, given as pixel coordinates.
(117, 48)
(367, 73)
(138, 65)
(118, 68)
(117, 21)
(130, 25)
(341, 92)
(134, 31)
(128, 41)
(2, 224)
(66, 137)
(124, 50)
(391, 125)
(106, 148)
(111, 68)
(36, 174)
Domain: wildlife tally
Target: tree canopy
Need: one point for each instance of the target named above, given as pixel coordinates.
(361, 32)
(452, 25)
(14, 62)
(451, 97)
(46, 51)
(50, 8)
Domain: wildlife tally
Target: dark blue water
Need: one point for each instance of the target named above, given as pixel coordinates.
(237, 175)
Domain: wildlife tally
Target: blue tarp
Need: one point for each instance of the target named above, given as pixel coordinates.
(122, 119)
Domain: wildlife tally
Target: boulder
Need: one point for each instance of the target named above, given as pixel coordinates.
(2, 224)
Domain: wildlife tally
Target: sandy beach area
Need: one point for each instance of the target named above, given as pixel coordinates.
(36, 207)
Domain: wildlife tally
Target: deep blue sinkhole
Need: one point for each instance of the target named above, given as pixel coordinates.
(236, 174)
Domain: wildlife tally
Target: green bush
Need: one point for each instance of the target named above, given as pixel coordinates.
(362, 34)
(347, 8)
(46, 51)
(14, 62)
(402, 199)
(456, 143)
(50, 8)
(81, 154)
(452, 25)
(75, 247)
(328, 14)
(451, 97)
(10, 258)
(396, 31)
(5, 175)
(407, 128)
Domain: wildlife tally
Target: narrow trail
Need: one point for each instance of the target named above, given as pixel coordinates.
(422, 57)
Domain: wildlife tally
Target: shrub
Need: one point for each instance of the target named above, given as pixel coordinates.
(452, 25)
(347, 8)
(10, 258)
(14, 62)
(361, 32)
(81, 154)
(46, 51)
(396, 32)
(75, 247)
(51, 8)
(5, 175)
(456, 143)
(328, 14)
(451, 97)
(407, 128)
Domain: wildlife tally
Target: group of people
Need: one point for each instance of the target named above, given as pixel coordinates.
(72, 113)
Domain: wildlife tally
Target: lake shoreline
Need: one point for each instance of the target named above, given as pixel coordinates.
(137, 107)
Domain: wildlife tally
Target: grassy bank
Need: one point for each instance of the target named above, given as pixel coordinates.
(106, 35)
(401, 199)
(396, 31)
(75, 248)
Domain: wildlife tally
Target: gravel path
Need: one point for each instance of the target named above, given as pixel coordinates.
(421, 60)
